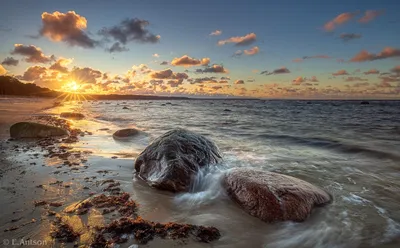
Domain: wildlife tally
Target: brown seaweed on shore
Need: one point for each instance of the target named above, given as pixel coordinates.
(63, 231)
(144, 231)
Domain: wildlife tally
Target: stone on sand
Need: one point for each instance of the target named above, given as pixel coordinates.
(35, 130)
(172, 160)
(273, 197)
(125, 133)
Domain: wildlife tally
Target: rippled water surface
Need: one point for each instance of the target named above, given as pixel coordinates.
(349, 149)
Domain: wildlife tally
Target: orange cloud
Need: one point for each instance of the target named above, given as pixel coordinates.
(340, 73)
(339, 20)
(372, 71)
(387, 52)
(252, 51)
(67, 27)
(32, 54)
(240, 40)
(216, 32)
(370, 15)
(168, 74)
(239, 82)
(188, 61)
(298, 81)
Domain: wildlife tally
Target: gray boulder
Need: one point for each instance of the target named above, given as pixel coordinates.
(172, 160)
(273, 197)
(35, 130)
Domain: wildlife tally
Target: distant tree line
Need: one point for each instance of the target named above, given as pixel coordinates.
(12, 86)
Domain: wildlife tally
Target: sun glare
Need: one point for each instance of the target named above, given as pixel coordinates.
(71, 86)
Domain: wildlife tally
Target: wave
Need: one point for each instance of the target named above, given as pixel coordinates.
(112, 119)
(331, 144)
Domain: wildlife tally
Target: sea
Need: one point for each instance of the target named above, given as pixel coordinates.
(349, 149)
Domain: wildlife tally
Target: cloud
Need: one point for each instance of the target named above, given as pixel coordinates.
(66, 27)
(349, 36)
(395, 69)
(156, 55)
(339, 20)
(130, 30)
(188, 61)
(298, 81)
(32, 54)
(303, 81)
(240, 40)
(10, 61)
(203, 80)
(216, 32)
(372, 71)
(281, 70)
(2, 70)
(340, 73)
(85, 75)
(311, 57)
(33, 73)
(116, 47)
(60, 65)
(313, 79)
(353, 79)
(239, 82)
(387, 52)
(164, 63)
(359, 85)
(250, 52)
(213, 69)
(370, 15)
(168, 74)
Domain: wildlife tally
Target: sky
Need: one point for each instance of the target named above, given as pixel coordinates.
(264, 49)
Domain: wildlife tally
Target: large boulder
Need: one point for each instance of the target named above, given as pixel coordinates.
(273, 197)
(125, 133)
(72, 115)
(35, 130)
(172, 160)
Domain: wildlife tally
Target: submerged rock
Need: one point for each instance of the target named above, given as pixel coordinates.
(173, 159)
(273, 197)
(72, 115)
(35, 130)
(364, 102)
(125, 133)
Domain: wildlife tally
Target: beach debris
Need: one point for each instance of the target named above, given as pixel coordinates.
(272, 196)
(171, 161)
(35, 130)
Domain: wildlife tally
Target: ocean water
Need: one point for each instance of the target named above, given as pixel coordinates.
(349, 149)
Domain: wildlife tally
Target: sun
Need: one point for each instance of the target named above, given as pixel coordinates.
(71, 86)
